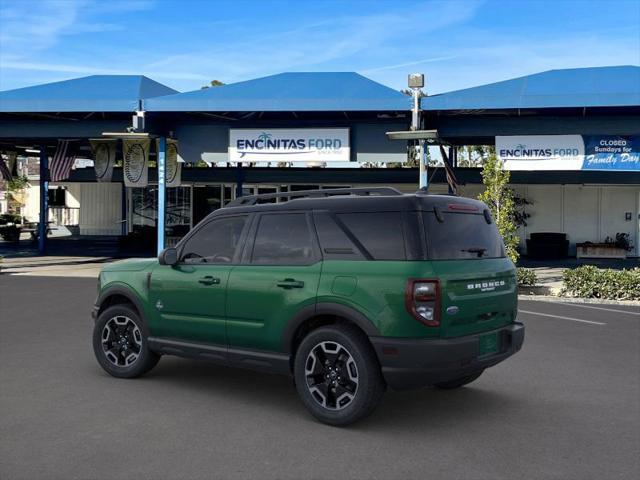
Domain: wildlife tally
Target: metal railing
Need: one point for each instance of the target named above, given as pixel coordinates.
(64, 215)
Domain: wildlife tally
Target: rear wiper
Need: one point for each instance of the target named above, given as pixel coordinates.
(480, 251)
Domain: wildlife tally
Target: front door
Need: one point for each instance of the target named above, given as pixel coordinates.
(279, 275)
(189, 298)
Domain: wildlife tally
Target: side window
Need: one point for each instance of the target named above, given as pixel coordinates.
(334, 242)
(380, 233)
(216, 242)
(283, 239)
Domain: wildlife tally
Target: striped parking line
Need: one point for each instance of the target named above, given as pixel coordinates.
(561, 317)
(581, 305)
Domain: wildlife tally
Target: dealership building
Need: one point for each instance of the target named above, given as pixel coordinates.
(571, 139)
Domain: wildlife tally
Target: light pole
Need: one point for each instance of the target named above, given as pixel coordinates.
(416, 83)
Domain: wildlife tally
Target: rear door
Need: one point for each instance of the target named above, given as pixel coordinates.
(190, 297)
(477, 280)
(278, 276)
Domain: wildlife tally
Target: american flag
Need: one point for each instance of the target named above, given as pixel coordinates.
(62, 161)
(5, 172)
(451, 176)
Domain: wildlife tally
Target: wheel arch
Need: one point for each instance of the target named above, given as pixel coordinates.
(118, 295)
(314, 316)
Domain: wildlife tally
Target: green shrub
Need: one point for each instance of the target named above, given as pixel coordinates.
(526, 277)
(592, 282)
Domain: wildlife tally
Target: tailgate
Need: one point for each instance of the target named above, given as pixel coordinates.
(476, 294)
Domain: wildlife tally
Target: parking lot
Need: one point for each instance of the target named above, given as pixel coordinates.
(567, 406)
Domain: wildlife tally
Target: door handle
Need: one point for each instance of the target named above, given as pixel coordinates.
(209, 280)
(290, 283)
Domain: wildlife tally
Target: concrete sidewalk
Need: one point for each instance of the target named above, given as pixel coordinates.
(54, 266)
(549, 281)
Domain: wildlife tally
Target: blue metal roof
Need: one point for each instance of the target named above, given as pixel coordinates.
(288, 92)
(576, 87)
(96, 93)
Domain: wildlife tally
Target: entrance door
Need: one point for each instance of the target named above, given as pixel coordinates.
(619, 213)
(189, 298)
(278, 277)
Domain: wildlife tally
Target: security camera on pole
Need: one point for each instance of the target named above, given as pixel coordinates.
(416, 83)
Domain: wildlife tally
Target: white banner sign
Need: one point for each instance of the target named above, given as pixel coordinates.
(541, 152)
(289, 145)
(104, 157)
(136, 162)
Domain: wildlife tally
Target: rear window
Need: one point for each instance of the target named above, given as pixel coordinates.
(462, 236)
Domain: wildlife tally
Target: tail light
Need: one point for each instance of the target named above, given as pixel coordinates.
(422, 299)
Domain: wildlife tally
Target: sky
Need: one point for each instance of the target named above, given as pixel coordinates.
(185, 44)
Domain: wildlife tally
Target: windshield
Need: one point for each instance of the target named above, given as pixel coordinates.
(461, 236)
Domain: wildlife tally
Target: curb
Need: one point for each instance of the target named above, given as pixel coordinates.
(537, 290)
(597, 301)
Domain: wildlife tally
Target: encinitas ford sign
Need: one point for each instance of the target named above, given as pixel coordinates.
(569, 152)
(289, 145)
(610, 152)
(541, 152)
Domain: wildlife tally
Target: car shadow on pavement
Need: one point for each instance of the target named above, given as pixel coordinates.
(426, 407)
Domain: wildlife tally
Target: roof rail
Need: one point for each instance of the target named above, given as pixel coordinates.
(255, 199)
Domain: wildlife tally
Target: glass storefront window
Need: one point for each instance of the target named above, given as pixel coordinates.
(144, 210)
(206, 199)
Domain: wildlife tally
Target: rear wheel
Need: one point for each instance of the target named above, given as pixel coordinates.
(459, 382)
(120, 343)
(337, 375)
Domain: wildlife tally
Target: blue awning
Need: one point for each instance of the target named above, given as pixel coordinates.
(288, 92)
(577, 87)
(96, 93)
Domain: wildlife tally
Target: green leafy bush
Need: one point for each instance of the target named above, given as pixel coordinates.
(592, 282)
(526, 277)
(500, 200)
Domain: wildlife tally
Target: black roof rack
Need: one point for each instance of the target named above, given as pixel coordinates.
(254, 199)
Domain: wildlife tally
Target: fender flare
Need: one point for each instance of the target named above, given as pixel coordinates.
(124, 291)
(350, 314)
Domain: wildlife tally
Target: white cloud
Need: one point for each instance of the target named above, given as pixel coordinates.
(344, 40)
(30, 27)
(497, 58)
(408, 64)
(435, 37)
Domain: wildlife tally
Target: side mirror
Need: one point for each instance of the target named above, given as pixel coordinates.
(168, 256)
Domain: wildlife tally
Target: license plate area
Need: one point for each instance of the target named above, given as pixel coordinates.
(488, 344)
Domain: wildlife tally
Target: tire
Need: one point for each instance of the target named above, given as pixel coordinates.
(121, 328)
(458, 382)
(348, 387)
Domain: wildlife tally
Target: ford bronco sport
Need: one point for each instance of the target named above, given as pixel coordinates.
(350, 291)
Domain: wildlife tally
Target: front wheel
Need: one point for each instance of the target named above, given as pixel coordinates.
(120, 343)
(459, 382)
(337, 375)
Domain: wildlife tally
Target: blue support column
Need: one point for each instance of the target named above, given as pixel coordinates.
(239, 179)
(44, 200)
(424, 166)
(162, 155)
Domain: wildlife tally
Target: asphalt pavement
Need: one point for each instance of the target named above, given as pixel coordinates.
(566, 407)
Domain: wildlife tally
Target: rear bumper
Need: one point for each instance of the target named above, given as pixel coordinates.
(411, 363)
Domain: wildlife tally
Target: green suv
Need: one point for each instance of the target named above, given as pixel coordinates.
(350, 291)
